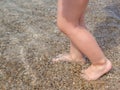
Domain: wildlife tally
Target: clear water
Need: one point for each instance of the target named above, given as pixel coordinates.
(29, 37)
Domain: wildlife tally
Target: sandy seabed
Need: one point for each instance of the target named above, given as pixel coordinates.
(29, 39)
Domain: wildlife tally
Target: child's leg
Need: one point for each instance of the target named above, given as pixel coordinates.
(69, 13)
(75, 55)
(74, 51)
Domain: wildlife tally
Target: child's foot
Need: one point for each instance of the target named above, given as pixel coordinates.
(96, 71)
(68, 57)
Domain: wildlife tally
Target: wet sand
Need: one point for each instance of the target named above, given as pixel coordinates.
(29, 39)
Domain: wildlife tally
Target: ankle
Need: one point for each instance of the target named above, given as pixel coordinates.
(100, 62)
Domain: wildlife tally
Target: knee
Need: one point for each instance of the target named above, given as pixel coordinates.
(65, 26)
(61, 25)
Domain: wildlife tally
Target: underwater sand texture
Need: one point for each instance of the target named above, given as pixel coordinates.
(29, 39)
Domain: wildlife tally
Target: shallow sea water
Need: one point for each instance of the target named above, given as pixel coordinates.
(29, 39)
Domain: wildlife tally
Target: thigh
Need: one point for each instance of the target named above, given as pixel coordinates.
(71, 10)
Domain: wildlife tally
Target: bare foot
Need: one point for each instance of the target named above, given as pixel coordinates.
(67, 57)
(96, 71)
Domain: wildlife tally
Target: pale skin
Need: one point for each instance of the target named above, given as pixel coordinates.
(70, 20)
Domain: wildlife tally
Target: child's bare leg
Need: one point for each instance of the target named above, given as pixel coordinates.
(69, 12)
(75, 55)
